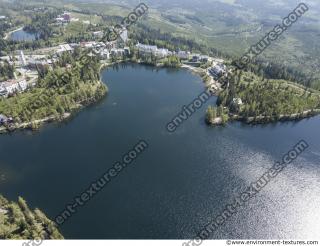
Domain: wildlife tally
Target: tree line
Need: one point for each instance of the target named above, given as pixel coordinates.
(18, 221)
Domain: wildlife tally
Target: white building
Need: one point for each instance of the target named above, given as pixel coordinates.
(64, 48)
(12, 86)
(154, 50)
(117, 52)
(217, 70)
(90, 44)
(218, 60)
(64, 18)
(59, 19)
(105, 54)
(237, 101)
(162, 53)
(184, 55)
(23, 84)
(148, 49)
(98, 34)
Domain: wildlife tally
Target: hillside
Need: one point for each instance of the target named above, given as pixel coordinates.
(230, 26)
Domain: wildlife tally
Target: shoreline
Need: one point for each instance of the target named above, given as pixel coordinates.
(215, 88)
(282, 118)
(104, 64)
(263, 120)
(214, 85)
(37, 124)
(29, 125)
(198, 71)
(51, 119)
(8, 34)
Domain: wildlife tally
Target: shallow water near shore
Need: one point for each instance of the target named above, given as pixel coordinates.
(181, 182)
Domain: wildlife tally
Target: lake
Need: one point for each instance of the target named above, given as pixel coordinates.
(181, 182)
(22, 35)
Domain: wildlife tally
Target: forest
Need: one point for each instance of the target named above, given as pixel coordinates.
(18, 221)
(72, 81)
(41, 23)
(267, 99)
(266, 88)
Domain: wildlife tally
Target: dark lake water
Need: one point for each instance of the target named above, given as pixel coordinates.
(21, 35)
(180, 183)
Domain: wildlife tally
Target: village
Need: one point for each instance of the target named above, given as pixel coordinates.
(27, 63)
